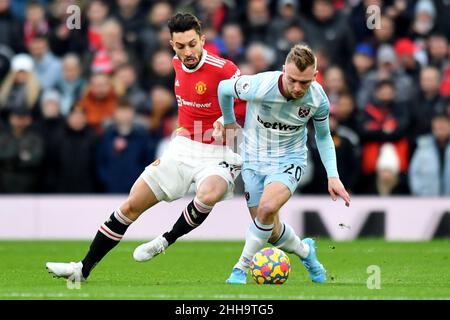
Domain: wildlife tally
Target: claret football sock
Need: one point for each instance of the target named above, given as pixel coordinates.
(290, 242)
(108, 236)
(192, 216)
(256, 237)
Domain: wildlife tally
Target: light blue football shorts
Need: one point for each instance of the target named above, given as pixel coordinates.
(255, 182)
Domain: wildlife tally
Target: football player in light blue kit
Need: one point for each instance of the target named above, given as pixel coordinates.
(279, 105)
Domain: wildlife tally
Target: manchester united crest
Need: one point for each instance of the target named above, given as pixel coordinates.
(200, 87)
(303, 112)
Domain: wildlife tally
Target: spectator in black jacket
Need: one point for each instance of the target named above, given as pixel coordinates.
(76, 158)
(21, 154)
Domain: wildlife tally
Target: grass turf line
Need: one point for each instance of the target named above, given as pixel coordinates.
(196, 270)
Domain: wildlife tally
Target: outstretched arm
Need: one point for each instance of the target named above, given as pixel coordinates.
(327, 153)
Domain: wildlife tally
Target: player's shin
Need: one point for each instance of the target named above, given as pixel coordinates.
(192, 216)
(108, 236)
(289, 242)
(256, 237)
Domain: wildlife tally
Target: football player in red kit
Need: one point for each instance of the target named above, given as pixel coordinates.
(193, 156)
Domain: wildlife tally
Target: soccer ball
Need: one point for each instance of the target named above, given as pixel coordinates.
(270, 266)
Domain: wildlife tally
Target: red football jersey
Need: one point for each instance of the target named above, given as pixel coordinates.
(197, 99)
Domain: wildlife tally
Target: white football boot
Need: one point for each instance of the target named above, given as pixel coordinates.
(71, 271)
(150, 249)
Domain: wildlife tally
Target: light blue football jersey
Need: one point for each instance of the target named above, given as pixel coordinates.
(275, 131)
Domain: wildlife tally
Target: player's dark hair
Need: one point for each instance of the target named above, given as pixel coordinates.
(302, 56)
(182, 22)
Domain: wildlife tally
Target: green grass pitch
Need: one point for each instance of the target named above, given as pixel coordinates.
(196, 270)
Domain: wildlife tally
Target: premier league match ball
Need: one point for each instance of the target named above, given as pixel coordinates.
(270, 266)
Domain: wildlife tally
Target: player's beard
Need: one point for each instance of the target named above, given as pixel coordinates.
(193, 66)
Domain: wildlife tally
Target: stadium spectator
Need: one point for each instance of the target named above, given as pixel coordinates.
(387, 68)
(388, 179)
(345, 114)
(323, 63)
(328, 28)
(99, 101)
(424, 19)
(255, 24)
(212, 13)
(438, 48)
(46, 65)
(429, 173)
(260, 57)
(21, 154)
(132, 19)
(96, 13)
(157, 19)
(334, 84)
(401, 12)
(111, 42)
(292, 34)
(71, 84)
(10, 35)
(363, 61)
(35, 22)
(233, 41)
(128, 88)
(286, 13)
(162, 105)
(76, 158)
(405, 50)
(20, 87)
(383, 120)
(213, 42)
(123, 151)
(159, 71)
(385, 34)
(50, 126)
(426, 104)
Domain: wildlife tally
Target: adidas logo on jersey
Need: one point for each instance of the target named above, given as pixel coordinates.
(177, 83)
(278, 125)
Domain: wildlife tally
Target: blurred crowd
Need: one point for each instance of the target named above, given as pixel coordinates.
(84, 110)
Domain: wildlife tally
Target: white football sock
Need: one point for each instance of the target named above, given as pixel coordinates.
(290, 242)
(256, 237)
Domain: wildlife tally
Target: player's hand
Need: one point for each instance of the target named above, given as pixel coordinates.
(336, 188)
(218, 132)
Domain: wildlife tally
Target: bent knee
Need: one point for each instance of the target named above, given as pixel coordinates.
(130, 209)
(212, 196)
(266, 211)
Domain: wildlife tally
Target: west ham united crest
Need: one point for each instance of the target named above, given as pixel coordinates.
(303, 112)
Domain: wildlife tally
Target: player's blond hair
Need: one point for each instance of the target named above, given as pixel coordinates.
(302, 56)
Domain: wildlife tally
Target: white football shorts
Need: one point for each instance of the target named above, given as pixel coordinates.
(187, 162)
